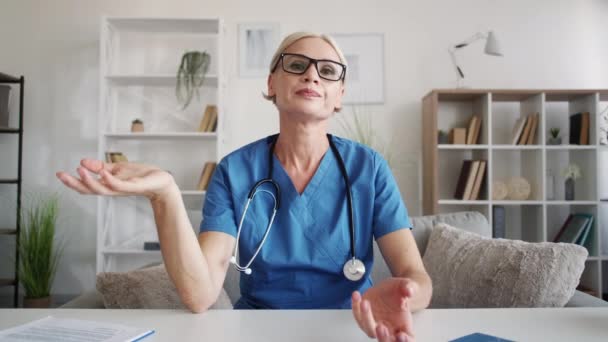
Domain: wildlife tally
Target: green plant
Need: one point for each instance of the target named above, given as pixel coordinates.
(360, 129)
(38, 253)
(190, 75)
(572, 171)
(554, 132)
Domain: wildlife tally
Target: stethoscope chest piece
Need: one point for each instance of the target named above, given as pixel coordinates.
(354, 269)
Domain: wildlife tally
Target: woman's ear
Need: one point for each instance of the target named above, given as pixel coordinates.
(338, 106)
(270, 86)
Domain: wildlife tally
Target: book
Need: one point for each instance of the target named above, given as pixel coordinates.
(573, 229)
(206, 118)
(203, 181)
(575, 128)
(115, 157)
(67, 329)
(583, 237)
(517, 129)
(458, 136)
(471, 129)
(498, 222)
(478, 178)
(561, 230)
(462, 179)
(212, 122)
(532, 135)
(523, 138)
(584, 135)
(477, 131)
(471, 180)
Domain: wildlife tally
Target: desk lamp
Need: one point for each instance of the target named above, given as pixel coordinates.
(492, 48)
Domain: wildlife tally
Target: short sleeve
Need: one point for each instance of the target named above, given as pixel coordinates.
(390, 213)
(218, 209)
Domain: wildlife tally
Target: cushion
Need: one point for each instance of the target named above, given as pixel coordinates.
(147, 288)
(472, 271)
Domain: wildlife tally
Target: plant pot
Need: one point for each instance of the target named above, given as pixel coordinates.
(569, 187)
(554, 141)
(37, 303)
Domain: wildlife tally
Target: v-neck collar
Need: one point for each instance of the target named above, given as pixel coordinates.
(312, 186)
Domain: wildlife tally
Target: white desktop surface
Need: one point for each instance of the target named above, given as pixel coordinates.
(566, 324)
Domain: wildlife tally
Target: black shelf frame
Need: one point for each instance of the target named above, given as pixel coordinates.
(8, 79)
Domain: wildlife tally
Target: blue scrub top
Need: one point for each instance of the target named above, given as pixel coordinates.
(300, 265)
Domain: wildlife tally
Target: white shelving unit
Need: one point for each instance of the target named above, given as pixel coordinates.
(540, 217)
(139, 59)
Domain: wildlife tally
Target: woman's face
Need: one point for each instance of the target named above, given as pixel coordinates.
(307, 96)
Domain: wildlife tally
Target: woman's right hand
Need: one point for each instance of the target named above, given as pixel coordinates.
(119, 179)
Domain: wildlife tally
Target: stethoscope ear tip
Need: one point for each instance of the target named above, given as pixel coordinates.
(232, 260)
(248, 271)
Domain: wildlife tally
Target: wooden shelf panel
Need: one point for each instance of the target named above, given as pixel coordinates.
(9, 130)
(461, 147)
(5, 78)
(7, 282)
(8, 231)
(163, 135)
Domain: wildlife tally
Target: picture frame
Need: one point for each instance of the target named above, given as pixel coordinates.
(257, 43)
(364, 53)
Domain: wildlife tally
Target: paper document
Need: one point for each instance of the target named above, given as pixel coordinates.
(51, 329)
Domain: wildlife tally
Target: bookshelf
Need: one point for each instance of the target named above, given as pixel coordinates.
(539, 217)
(14, 129)
(139, 59)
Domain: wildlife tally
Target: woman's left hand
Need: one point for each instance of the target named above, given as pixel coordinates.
(384, 312)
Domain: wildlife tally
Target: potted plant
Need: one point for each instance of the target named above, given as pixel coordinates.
(137, 125)
(39, 255)
(190, 75)
(554, 139)
(572, 172)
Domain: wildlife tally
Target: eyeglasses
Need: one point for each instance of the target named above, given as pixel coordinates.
(298, 64)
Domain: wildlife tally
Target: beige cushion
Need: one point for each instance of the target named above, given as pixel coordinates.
(148, 288)
(471, 271)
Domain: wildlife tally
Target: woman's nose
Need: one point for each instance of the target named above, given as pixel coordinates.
(311, 74)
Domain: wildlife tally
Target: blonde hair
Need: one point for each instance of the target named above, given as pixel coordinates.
(294, 37)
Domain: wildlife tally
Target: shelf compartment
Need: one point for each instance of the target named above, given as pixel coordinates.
(457, 112)
(558, 214)
(507, 108)
(560, 108)
(605, 280)
(519, 163)
(558, 160)
(523, 222)
(602, 227)
(450, 165)
(590, 279)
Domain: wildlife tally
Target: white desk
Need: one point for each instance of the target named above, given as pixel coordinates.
(569, 324)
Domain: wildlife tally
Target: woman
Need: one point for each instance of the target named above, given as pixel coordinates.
(310, 244)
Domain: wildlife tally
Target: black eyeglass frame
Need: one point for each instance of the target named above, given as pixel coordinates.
(311, 61)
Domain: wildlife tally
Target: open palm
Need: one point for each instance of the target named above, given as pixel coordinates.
(118, 179)
(384, 312)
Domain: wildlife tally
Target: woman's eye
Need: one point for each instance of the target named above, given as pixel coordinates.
(297, 66)
(328, 71)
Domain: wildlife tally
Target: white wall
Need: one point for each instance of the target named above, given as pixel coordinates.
(547, 44)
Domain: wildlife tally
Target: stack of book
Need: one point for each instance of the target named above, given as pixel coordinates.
(579, 129)
(209, 120)
(203, 181)
(576, 229)
(471, 180)
(524, 131)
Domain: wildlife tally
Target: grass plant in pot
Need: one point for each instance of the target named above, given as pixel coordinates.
(190, 76)
(39, 254)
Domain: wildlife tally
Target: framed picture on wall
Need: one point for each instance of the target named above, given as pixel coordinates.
(364, 53)
(257, 42)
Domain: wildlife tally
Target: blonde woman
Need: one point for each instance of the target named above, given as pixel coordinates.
(296, 212)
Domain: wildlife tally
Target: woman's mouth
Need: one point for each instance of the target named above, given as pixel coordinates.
(308, 93)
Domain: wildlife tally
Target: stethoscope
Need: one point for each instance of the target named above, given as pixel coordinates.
(353, 269)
